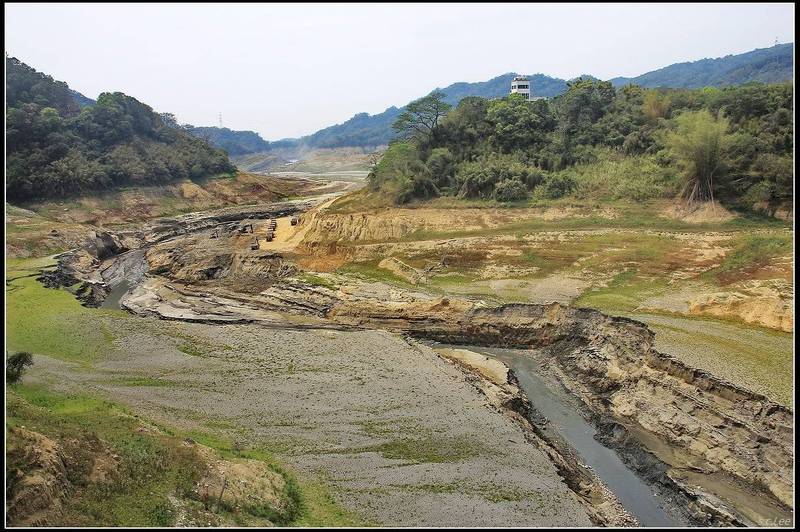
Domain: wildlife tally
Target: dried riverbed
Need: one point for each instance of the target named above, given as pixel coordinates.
(400, 434)
(610, 363)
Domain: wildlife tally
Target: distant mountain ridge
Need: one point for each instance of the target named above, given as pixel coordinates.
(233, 142)
(81, 100)
(767, 65)
(376, 130)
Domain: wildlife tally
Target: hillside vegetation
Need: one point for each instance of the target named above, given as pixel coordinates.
(233, 142)
(596, 142)
(56, 148)
(768, 65)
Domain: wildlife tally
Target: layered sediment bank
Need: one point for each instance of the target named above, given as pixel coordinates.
(728, 451)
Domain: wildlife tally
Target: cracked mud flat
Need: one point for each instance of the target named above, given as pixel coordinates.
(409, 442)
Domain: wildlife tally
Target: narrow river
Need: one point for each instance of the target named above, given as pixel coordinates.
(560, 409)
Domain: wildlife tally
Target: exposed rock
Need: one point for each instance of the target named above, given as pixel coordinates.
(766, 310)
(240, 485)
(390, 224)
(608, 362)
(403, 270)
(103, 245)
(36, 479)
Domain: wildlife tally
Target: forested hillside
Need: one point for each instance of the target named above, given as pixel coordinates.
(56, 147)
(376, 130)
(594, 141)
(233, 142)
(767, 65)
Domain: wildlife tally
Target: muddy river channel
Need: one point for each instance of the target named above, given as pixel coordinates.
(562, 412)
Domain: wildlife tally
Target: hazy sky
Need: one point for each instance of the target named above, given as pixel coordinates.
(288, 70)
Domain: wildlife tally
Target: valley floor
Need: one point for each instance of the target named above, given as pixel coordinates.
(380, 428)
(399, 434)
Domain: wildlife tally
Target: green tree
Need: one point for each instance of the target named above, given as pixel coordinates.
(421, 116)
(698, 144)
(655, 105)
(16, 364)
(53, 149)
(520, 124)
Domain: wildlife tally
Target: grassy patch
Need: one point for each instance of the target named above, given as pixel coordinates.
(370, 271)
(429, 449)
(317, 280)
(360, 201)
(623, 294)
(490, 492)
(750, 253)
(151, 465)
(144, 381)
(755, 357)
(312, 501)
(320, 508)
(192, 349)
(51, 322)
(629, 215)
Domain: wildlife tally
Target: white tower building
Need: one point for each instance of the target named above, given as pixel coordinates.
(521, 85)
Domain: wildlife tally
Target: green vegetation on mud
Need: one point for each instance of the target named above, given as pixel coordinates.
(317, 280)
(152, 465)
(149, 469)
(597, 142)
(51, 322)
(758, 358)
(752, 251)
(369, 271)
(431, 449)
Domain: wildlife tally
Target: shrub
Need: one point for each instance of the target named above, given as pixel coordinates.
(402, 175)
(16, 364)
(510, 190)
(557, 185)
(618, 177)
(441, 167)
(478, 179)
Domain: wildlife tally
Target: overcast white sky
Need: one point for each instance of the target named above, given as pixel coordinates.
(288, 70)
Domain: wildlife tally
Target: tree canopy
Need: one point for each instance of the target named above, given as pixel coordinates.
(733, 143)
(421, 116)
(56, 149)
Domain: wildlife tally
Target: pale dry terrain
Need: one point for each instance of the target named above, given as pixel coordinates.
(399, 433)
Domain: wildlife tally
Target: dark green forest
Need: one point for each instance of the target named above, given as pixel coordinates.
(56, 148)
(733, 144)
